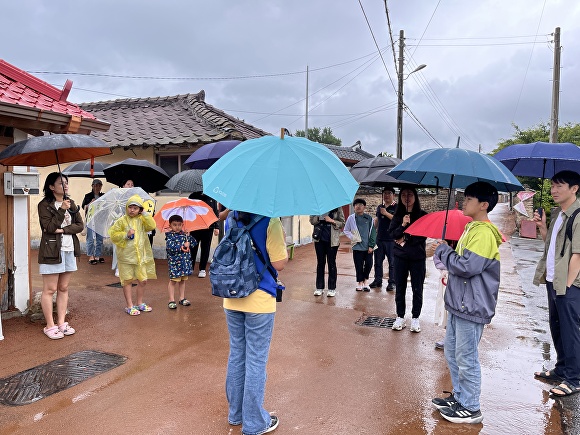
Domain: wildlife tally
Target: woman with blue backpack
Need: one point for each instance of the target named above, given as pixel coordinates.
(250, 318)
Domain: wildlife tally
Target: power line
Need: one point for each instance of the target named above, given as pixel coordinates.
(426, 27)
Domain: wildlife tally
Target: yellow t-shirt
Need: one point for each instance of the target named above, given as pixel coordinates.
(261, 301)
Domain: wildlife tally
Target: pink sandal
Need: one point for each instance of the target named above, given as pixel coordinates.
(66, 329)
(53, 333)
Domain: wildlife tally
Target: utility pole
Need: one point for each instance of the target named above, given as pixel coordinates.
(306, 117)
(555, 88)
(400, 95)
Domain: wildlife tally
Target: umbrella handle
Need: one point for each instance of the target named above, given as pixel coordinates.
(70, 210)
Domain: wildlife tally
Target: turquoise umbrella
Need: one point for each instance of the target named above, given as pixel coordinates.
(280, 176)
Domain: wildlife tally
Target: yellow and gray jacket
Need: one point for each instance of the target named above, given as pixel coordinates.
(474, 272)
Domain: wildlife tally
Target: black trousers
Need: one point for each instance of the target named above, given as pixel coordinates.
(203, 238)
(363, 264)
(384, 249)
(325, 253)
(563, 313)
(417, 270)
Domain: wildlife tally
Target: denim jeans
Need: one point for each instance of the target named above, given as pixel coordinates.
(94, 243)
(564, 312)
(324, 253)
(250, 336)
(384, 249)
(461, 342)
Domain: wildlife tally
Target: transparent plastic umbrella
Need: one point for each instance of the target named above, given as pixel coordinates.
(104, 211)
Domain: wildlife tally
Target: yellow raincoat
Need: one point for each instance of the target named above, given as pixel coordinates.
(134, 256)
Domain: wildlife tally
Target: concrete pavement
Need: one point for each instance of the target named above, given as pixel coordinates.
(326, 374)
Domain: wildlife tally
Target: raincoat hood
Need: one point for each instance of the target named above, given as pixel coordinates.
(134, 200)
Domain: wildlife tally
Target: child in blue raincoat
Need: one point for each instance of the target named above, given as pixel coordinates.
(178, 244)
(134, 253)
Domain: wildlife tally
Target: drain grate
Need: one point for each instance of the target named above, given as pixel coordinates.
(49, 378)
(376, 321)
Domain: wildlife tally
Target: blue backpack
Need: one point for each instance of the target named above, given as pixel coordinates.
(233, 273)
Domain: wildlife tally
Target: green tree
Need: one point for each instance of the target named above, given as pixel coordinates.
(540, 133)
(324, 135)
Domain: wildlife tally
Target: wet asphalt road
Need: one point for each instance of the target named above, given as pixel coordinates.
(326, 374)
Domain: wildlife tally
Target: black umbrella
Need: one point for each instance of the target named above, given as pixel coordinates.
(85, 169)
(368, 167)
(53, 149)
(382, 179)
(187, 181)
(144, 174)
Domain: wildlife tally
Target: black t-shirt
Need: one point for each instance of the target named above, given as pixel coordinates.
(384, 222)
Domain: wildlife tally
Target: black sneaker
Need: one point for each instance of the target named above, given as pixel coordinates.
(444, 402)
(458, 414)
(376, 284)
(273, 424)
(390, 287)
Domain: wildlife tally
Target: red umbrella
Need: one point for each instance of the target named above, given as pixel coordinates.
(196, 214)
(431, 225)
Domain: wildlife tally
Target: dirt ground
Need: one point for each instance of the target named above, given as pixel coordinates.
(326, 374)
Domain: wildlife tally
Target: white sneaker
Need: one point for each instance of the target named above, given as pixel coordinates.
(415, 325)
(331, 293)
(201, 274)
(117, 273)
(399, 324)
(318, 292)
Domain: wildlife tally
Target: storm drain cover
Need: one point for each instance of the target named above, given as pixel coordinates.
(377, 321)
(49, 378)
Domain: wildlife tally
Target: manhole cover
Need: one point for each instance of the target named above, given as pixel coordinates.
(377, 321)
(49, 378)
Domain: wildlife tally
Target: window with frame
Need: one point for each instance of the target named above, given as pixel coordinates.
(172, 164)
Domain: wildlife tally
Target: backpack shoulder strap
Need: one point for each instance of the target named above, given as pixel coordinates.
(569, 224)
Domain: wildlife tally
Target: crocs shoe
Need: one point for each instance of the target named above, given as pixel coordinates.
(172, 305)
(132, 311)
(66, 329)
(144, 307)
(184, 302)
(53, 333)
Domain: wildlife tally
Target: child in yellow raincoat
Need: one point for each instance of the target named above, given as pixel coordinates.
(134, 253)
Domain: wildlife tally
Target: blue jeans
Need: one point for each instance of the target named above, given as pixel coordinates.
(384, 249)
(564, 312)
(94, 244)
(250, 336)
(461, 341)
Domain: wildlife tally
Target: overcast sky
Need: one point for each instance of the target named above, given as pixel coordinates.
(489, 63)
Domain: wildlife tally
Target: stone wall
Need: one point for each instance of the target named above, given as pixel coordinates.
(430, 202)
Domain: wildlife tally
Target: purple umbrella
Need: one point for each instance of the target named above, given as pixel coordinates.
(208, 154)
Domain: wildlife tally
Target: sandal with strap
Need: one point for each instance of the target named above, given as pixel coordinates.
(172, 305)
(144, 307)
(564, 389)
(184, 302)
(53, 333)
(66, 329)
(549, 375)
(132, 311)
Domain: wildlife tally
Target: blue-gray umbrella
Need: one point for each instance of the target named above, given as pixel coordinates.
(455, 168)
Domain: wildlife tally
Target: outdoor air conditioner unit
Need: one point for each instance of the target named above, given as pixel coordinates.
(21, 183)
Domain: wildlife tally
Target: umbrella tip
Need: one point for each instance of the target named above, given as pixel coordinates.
(284, 131)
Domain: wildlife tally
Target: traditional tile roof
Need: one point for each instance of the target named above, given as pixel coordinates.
(23, 89)
(174, 121)
(349, 154)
